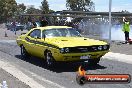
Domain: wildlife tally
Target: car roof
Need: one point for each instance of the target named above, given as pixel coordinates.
(51, 27)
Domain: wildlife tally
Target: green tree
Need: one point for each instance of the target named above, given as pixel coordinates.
(2, 6)
(32, 10)
(7, 9)
(45, 7)
(80, 5)
(21, 9)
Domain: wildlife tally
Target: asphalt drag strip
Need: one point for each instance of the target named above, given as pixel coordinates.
(63, 75)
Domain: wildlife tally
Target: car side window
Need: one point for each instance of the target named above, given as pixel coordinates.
(35, 33)
(50, 33)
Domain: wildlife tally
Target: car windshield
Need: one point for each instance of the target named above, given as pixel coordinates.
(63, 32)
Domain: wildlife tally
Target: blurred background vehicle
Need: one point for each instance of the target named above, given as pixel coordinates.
(19, 27)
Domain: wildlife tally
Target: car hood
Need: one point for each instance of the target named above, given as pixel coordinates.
(74, 41)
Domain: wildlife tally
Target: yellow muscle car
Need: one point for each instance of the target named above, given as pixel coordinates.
(61, 44)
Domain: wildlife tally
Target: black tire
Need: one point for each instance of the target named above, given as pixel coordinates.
(49, 59)
(94, 61)
(24, 53)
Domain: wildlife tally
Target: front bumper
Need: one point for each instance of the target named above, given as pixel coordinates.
(69, 57)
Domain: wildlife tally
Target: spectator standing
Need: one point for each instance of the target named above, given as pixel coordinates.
(34, 25)
(29, 25)
(14, 27)
(126, 29)
(43, 22)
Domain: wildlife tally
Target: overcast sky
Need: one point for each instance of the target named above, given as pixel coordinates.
(100, 5)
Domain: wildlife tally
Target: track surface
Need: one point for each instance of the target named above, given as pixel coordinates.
(63, 75)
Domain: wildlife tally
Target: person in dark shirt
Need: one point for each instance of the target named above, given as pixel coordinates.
(43, 22)
(34, 24)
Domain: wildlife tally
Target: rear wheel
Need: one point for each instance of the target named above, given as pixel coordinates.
(24, 53)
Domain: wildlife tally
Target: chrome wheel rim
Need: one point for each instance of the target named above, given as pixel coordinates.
(48, 57)
(23, 51)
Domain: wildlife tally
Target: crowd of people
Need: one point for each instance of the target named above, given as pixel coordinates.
(43, 22)
(15, 26)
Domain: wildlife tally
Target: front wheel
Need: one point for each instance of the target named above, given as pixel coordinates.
(49, 59)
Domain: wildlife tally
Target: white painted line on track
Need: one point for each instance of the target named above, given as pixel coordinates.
(24, 78)
(0, 85)
(8, 41)
(45, 80)
(119, 57)
(18, 74)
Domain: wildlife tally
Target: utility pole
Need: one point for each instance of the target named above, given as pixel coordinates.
(110, 4)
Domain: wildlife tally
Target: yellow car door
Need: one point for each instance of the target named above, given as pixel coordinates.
(38, 46)
(31, 42)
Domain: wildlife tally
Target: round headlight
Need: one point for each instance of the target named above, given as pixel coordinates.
(105, 47)
(100, 48)
(66, 50)
(62, 50)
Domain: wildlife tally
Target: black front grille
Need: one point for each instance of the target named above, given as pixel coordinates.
(84, 49)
